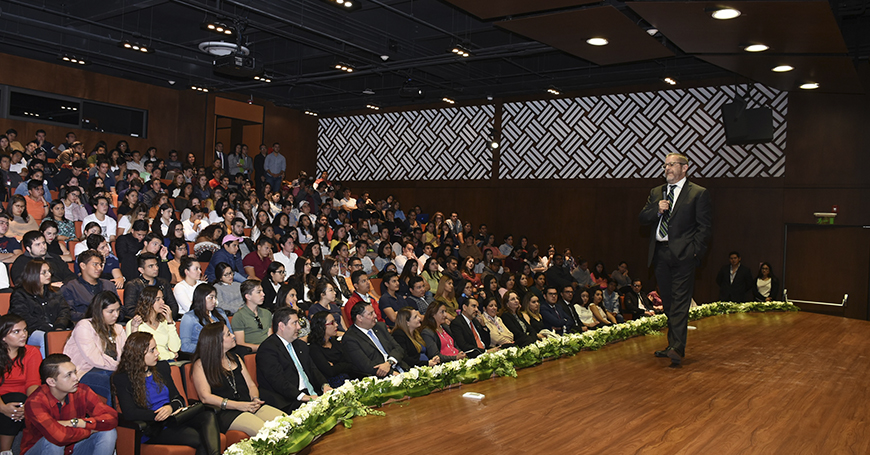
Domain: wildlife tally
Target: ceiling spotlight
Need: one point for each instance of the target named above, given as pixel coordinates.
(346, 5)
(597, 41)
(346, 67)
(756, 48)
(652, 31)
(199, 89)
(460, 50)
(263, 78)
(217, 27)
(373, 107)
(725, 13)
(72, 59)
(553, 91)
(368, 91)
(670, 81)
(311, 113)
(448, 100)
(810, 86)
(135, 46)
(782, 69)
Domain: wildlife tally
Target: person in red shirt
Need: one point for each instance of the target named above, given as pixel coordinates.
(256, 262)
(63, 417)
(21, 378)
(361, 286)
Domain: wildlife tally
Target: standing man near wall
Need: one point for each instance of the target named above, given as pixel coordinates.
(275, 165)
(680, 216)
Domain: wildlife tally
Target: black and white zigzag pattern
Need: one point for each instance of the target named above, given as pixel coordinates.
(431, 144)
(628, 135)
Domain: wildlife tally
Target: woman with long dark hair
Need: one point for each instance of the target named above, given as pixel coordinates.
(512, 318)
(288, 296)
(599, 275)
(19, 367)
(431, 274)
(146, 392)
(203, 311)
(155, 317)
(323, 297)
(96, 343)
(326, 351)
(222, 381)
(182, 201)
(229, 295)
(66, 229)
(436, 334)
(165, 217)
(39, 304)
(330, 272)
(766, 284)
(446, 294)
(21, 222)
(305, 229)
(312, 252)
(272, 281)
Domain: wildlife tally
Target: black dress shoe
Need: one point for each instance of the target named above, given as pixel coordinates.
(663, 352)
(676, 358)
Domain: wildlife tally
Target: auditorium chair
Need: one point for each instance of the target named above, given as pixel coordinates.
(230, 437)
(55, 341)
(4, 302)
(251, 365)
(375, 287)
(625, 313)
(78, 225)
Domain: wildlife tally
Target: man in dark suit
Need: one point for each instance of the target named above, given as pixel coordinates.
(553, 314)
(220, 155)
(369, 346)
(680, 217)
(637, 303)
(735, 281)
(469, 334)
(285, 373)
(128, 246)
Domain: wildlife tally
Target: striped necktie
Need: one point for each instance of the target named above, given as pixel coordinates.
(663, 227)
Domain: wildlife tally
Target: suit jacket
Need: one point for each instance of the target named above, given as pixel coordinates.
(364, 355)
(556, 317)
(631, 304)
(464, 339)
(689, 223)
(741, 290)
(127, 249)
(277, 375)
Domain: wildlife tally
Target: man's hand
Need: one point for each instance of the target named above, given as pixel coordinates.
(382, 369)
(664, 206)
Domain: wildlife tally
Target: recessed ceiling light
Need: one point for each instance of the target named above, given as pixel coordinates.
(725, 13)
(782, 69)
(597, 41)
(810, 86)
(652, 31)
(756, 48)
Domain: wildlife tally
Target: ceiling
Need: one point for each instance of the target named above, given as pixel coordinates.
(517, 47)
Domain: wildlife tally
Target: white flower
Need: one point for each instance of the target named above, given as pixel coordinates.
(396, 380)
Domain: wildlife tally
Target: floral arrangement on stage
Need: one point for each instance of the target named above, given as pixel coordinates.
(292, 433)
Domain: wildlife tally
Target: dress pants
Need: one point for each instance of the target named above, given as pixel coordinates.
(676, 281)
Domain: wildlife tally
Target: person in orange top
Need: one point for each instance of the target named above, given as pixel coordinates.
(37, 206)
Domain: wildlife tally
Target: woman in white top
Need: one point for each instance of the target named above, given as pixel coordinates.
(90, 228)
(155, 317)
(191, 272)
(587, 317)
(138, 212)
(306, 233)
(72, 205)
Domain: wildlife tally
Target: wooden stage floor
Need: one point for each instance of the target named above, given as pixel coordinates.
(774, 383)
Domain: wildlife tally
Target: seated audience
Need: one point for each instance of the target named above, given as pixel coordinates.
(587, 317)
(20, 377)
(637, 303)
(391, 302)
(96, 343)
(154, 317)
(252, 324)
(228, 290)
(370, 347)
(601, 314)
(223, 383)
(148, 271)
(326, 351)
(22, 222)
(128, 247)
(530, 312)
(554, 316)
(470, 335)
(191, 272)
(36, 248)
(285, 371)
(53, 245)
(274, 279)
(228, 254)
(407, 335)
(447, 297)
(362, 288)
(256, 262)
(436, 335)
(147, 393)
(39, 304)
(611, 301)
(83, 425)
(500, 335)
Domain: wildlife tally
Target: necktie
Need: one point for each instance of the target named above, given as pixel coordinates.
(377, 342)
(663, 227)
(476, 337)
(301, 371)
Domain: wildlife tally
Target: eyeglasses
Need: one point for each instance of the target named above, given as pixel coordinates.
(259, 323)
(673, 164)
(331, 323)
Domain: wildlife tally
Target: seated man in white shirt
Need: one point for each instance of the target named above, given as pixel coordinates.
(286, 256)
(107, 223)
(407, 255)
(194, 225)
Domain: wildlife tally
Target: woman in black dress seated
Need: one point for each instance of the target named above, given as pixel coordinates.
(514, 321)
(326, 350)
(407, 334)
(146, 392)
(222, 382)
(531, 313)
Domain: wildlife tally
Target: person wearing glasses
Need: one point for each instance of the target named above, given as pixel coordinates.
(679, 214)
(252, 324)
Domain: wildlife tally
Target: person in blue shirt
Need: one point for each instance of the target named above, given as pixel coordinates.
(230, 255)
(203, 311)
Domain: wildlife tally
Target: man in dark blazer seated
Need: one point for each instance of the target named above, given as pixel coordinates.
(472, 343)
(735, 281)
(369, 346)
(637, 303)
(679, 214)
(285, 373)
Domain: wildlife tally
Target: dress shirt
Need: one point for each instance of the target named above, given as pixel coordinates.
(677, 189)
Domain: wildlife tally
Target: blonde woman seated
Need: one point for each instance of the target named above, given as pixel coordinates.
(499, 334)
(222, 381)
(407, 334)
(446, 295)
(155, 317)
(531, 314)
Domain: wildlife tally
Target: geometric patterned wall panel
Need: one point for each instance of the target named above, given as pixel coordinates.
(628, 135)
(432, 144)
